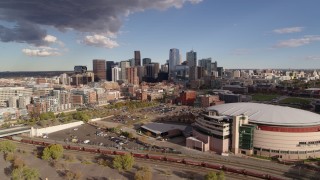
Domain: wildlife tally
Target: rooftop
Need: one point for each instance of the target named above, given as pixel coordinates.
(159, 128)
(269, 114)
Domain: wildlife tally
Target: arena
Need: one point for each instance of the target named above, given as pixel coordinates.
(260, 129)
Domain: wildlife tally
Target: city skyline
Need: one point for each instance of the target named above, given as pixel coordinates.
(246, 34)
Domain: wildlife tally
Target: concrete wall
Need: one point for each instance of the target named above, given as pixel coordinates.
(195, 144)
(174, 132)
(41, 131)
(202, 137)
(219, 145)
(98, 119)
(286, 144)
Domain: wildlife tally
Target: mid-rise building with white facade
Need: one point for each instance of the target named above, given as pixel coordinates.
(116, 72)
(7, 92)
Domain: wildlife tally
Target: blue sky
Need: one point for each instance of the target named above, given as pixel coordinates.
(236, 33)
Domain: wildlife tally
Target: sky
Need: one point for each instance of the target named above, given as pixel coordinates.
(46, 35)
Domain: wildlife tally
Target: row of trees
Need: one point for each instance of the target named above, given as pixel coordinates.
(48, 118)
(131, 105)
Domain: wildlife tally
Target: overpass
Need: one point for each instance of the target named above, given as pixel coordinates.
(14, 131)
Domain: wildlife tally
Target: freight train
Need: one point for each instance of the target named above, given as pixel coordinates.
(155, 157)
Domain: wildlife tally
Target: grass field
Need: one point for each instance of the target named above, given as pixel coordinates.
(264, 97)
(293, 100)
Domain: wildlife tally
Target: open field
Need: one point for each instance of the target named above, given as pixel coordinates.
(264, 97)
(294, 100)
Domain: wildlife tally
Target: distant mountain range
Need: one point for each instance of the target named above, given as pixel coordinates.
(15, 74)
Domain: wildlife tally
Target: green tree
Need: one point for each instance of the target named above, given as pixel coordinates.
(31, 174)
(17, 174)
(124, 162)
(54, 151)
(143, 173)
(211, 176)
(80, 115)
(7, 146)
(220, 175)
(25, 173)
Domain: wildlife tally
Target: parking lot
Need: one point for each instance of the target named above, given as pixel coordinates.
(90, 135)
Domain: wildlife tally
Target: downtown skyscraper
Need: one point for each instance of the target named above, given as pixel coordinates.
(192, 58)
(174, 59)
(137, 58)
(99, 69)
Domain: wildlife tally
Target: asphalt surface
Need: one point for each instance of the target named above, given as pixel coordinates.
(87, 134)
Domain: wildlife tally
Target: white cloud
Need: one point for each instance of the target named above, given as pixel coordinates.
(288, 30)
(99, 40)
(297, 42)
(50, 38)
(41, 51)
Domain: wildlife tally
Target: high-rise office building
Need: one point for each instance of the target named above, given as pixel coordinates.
(137, 58)
(220, 71)
(132, 75)
(152, 70)
(123, 66)
(206, 64)
(214, 66)
(146, 61)
(174, 60)
(192, 59)
(141, 72)
(132, 62)
(164, 68)
(109, 66)
(99, 69)
(115, 71)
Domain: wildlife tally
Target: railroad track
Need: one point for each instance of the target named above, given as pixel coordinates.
(196, 169)
(156, 163)
(267, 170)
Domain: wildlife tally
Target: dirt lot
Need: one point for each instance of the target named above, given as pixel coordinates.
(89, 170)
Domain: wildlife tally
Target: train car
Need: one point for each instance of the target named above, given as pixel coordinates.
(92, 150)
(46, 143)
(171, 159)
(78, 148)
(233, 170)
(106, 152)
(272, 177)
(66, 146)
(213, 166)
(155, 157)
(37, 142)
(26, 141)
(138, 155)
(194, 163)
(257, 175)
(119, 153)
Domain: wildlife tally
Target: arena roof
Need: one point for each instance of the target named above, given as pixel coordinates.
(269, 114)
